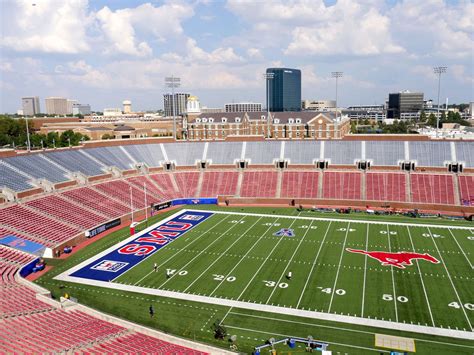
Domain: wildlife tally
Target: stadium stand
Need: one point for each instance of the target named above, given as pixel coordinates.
(343, 153)
(466, 189)
(144, 182)
(31, 224)
(32, 326)
(74, 160)
(187, 183)
(465, 153)
(221, 153)
(342, 185)
(302, 152)
(147, 153)
(431, 188)
(97, 201)
(185, 154)
(296, 184)
(37, 167)
(12, 179)
(166, 185)
(386, 187)
(257, 155)
(111, 156)
(120, 190)
(384, 153)
(430, 153)
(259, 184)
(219, 183)
(64, 210)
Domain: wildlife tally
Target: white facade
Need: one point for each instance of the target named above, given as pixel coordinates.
(112, 112)
(318, 105)
(30, 105)
(56, 106)
(193, 105)
(70, 105)
(127, 106)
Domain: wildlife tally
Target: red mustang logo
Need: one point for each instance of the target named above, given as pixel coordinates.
(399, 259)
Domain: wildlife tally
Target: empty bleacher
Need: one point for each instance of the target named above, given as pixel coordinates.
(259, 184)
(64, 210)
(146, 153)
(466, 189)
(259, 155)
(112, 156)
(13, 180)
(341, 152)
(37, 167)
(144, 183)
(430, 153)
(342, 185)
(384, 153)
(125, 193)
(216, 183)
(74, 160)
(163, 180)
(185, 154)
(432, 188)
(221, 153)
(300, 184)
(187, 183)
(386, 187)
(465, 153)
(302, 152)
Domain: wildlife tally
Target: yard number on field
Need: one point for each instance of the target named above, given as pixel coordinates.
(339, 291)
(173, 271)
(456, 305)
(387, 297)
(273, 284)
(222, 278)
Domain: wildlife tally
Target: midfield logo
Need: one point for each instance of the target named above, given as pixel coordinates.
(399, 259)
(109, 265)
(285, 232)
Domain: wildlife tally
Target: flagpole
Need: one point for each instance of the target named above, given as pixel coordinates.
(131, 202)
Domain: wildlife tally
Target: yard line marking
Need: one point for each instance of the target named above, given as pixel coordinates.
(181, 250)
(339, 328)
(336, 219)
(198, 255)
(289, 336)
(393, 277)
(451, 280)
(365, 270)
(460, 248)
(222, 254)
(421, 278)
(243, 257)
(258, 270)
(314, 264)
(225, 316)
(289, 262)
(339, 267)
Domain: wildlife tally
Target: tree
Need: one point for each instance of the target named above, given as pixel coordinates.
(107, 136)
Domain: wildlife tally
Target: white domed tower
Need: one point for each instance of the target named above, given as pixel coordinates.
(127, 106)
(193, 105)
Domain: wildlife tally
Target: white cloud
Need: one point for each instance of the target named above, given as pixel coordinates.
(123, 27)
(49, 26)
(6, 66)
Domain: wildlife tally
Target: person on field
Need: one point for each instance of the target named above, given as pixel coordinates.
(151, 311)
(155, 267)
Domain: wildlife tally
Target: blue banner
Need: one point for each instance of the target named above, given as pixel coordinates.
(143, 245)
(21, 244)
(195, 201)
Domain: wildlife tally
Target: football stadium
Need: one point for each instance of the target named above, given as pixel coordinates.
(354, 246)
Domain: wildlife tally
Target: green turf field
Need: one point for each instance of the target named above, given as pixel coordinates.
(238, 257)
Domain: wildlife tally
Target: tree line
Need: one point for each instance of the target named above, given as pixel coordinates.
(13, 135)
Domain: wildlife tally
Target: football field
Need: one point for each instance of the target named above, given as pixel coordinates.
(319, 268)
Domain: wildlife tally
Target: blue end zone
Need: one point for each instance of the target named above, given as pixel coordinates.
(21, 244)
(145, 244)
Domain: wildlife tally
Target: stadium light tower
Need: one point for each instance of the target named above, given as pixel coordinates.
(28, 144)
(439, 71)
(173, 82)
(268, 77)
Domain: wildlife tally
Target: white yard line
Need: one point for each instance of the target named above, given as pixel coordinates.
(365, 270)
(393, 277)
(181, 250)
(339, 266)
(337, 219)
(264, 262)
(314, 264)
(223, 253)
(243, 257)
(421, 278)
(451, 280)
(289, 262)
(200, 253)
(460, 248)
(468, 335)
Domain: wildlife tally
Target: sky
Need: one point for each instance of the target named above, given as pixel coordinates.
(102, 52)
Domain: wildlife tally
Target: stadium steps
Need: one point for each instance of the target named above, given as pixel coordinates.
(53, 217)
(45, 157)
(166, 184)
(363, 185)
(408, 191)
(279, 182)
(15, 169)
(151, 188)
(160, 188)
(115, 199)
(200, 180)
(320, 185)
(150, 194)
(239, 183)
(78, 204)
(457, 192)
(174, 183)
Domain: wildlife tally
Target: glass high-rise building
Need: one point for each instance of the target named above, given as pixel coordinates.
(284, 89)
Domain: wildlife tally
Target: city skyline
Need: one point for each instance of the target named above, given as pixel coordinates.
(108, 51)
